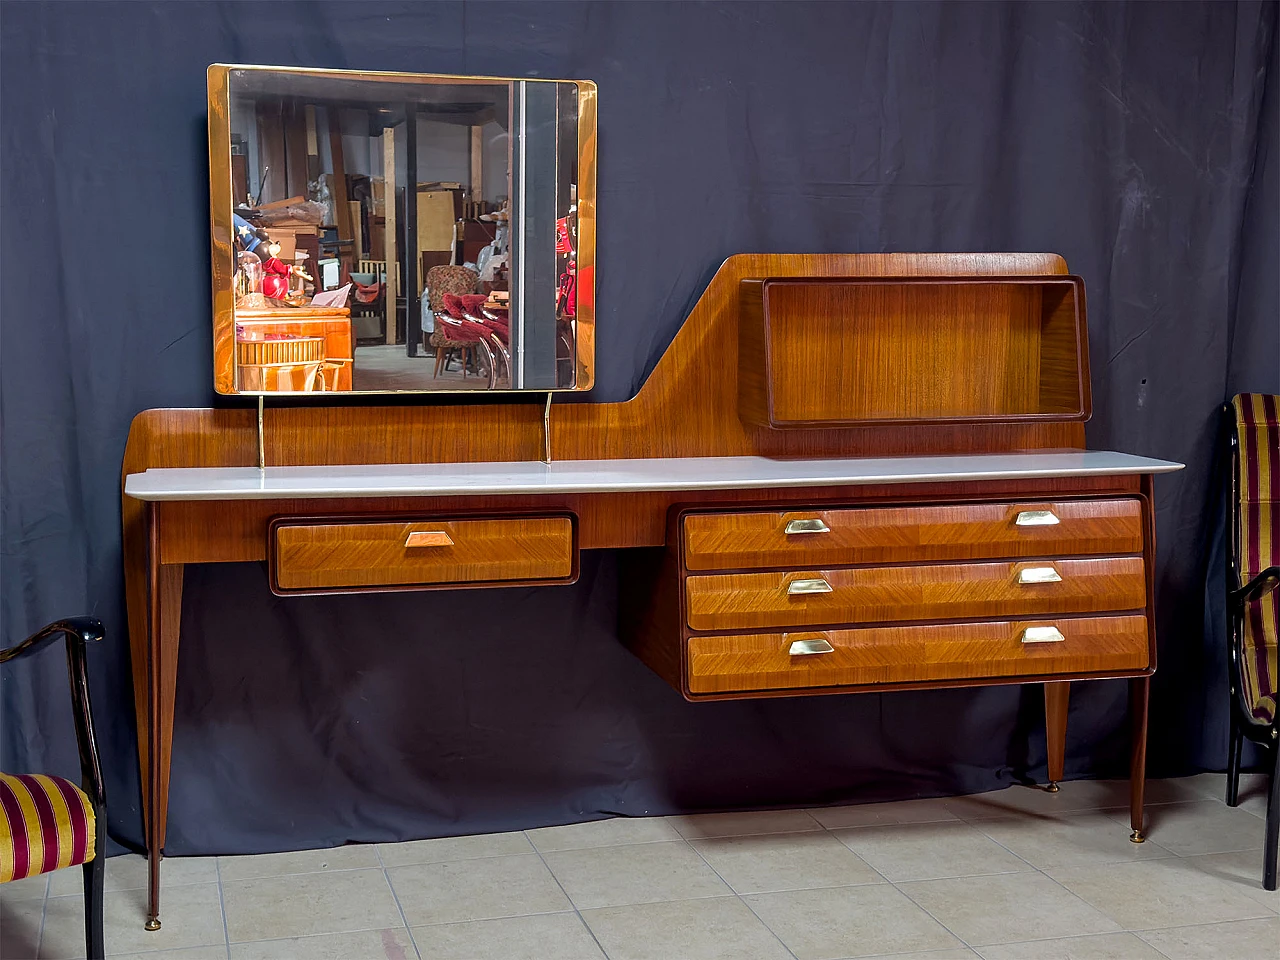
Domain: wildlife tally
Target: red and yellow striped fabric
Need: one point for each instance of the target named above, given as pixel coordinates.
(45, 823)
(1258, 430)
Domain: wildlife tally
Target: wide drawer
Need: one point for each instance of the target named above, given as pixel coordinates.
(970, 531)
(1024, 588)
(916, 654)
(324, 557)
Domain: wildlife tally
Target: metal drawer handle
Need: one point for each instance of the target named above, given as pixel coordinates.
(1042, 635)
(1035, 518)
(807, 526)
(807, 648)
(796, 587)
(1039, 575)
(428, 538)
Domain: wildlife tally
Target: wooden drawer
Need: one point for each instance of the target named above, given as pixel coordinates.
(736, 601)
(320, 557)
(916, 654)
(969, 531)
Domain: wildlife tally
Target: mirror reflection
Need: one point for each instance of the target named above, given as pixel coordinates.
(401, 233)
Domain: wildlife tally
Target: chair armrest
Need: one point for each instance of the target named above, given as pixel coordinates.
(78, 631)
(1258, 587)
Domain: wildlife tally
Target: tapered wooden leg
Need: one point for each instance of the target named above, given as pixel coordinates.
(164, 588)
(1139, 694)
(1273, 823)
(1055, 730)
(1234, 747)
(94, 877)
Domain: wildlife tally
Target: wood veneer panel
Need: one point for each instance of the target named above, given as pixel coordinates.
(915, 654)
(738, 601)
(848, 351)
(316, 557)
(728, 541)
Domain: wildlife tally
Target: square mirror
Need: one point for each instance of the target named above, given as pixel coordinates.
(379, 233)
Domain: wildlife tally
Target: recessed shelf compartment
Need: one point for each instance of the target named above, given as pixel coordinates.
(857, 351)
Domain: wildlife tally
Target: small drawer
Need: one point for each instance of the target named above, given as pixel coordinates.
(332, 557)
(1024, 588)
(916, 654)
(970, 531)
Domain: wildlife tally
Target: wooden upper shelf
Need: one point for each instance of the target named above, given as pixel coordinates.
(855, 351)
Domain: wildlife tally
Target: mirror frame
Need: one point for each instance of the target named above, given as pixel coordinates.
(223, 232)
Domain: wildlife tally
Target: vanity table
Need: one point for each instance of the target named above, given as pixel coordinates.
(847, 473)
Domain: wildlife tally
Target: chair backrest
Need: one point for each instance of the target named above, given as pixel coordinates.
(446, 278)
(1256, 484)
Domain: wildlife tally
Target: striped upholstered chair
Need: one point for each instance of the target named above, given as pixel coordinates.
(47, 823)
(1253, 602)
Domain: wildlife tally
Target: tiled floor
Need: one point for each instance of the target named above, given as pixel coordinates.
(1015, 875)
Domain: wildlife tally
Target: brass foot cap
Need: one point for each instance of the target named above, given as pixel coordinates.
(1052, 787)
(152, 924)
(1137, 837)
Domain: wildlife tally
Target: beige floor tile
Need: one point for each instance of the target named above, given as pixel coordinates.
(29, 888)
(849, 922)
(1243, 870)
(308, 904)
(602, 833)
(1070, 840)
(1003, 909)
(20, 928)
(482, 889)
(1106, 946)
(454, 848)
(1237, 940)
(714, 929)
(743, 823)
(955, 953)
(929, 851)
(1158, 893)
(558, 935)
(634, 873)
(388, 944)
(1074, 797)
(1202, 826)
(876, 814)
(352, 856)
(218, 952)
(784, 861)
(129, 872)
(1253, 789)
(192, 916)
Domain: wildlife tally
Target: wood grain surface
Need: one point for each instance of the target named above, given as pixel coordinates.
(914, 654)
(736, 601)
(747, 540)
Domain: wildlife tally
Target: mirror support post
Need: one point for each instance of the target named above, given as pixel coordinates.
(262, 447)
(546, 429)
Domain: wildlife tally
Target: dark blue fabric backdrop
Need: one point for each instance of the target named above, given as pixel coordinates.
(1137, 139)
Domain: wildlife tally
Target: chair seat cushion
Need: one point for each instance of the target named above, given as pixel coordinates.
(45, 823)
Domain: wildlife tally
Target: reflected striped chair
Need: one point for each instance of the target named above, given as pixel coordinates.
(47, 823)
(1253, 602)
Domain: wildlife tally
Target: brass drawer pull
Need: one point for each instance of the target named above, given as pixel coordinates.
(1039, 575)
(1042, 635)
(806, 526)
(428, 538)
(800, 587)
(807, 648)
(1035, 518)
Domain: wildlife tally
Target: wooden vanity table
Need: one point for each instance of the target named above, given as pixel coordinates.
(847, 473)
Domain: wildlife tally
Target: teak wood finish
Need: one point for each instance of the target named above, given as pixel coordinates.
(689, 406)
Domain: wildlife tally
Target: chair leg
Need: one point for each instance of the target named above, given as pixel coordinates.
(439, 361)
(94, 875)
(1233, 758)
(1273, 823)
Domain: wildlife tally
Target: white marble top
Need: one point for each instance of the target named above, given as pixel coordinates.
(607, 476)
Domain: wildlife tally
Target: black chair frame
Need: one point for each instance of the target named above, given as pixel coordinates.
(79, 631)
(1243, 723)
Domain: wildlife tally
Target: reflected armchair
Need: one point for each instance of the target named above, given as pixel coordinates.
(46, 822)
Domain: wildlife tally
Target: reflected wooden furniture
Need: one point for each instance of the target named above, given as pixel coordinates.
(331, 324)
(836, 544)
